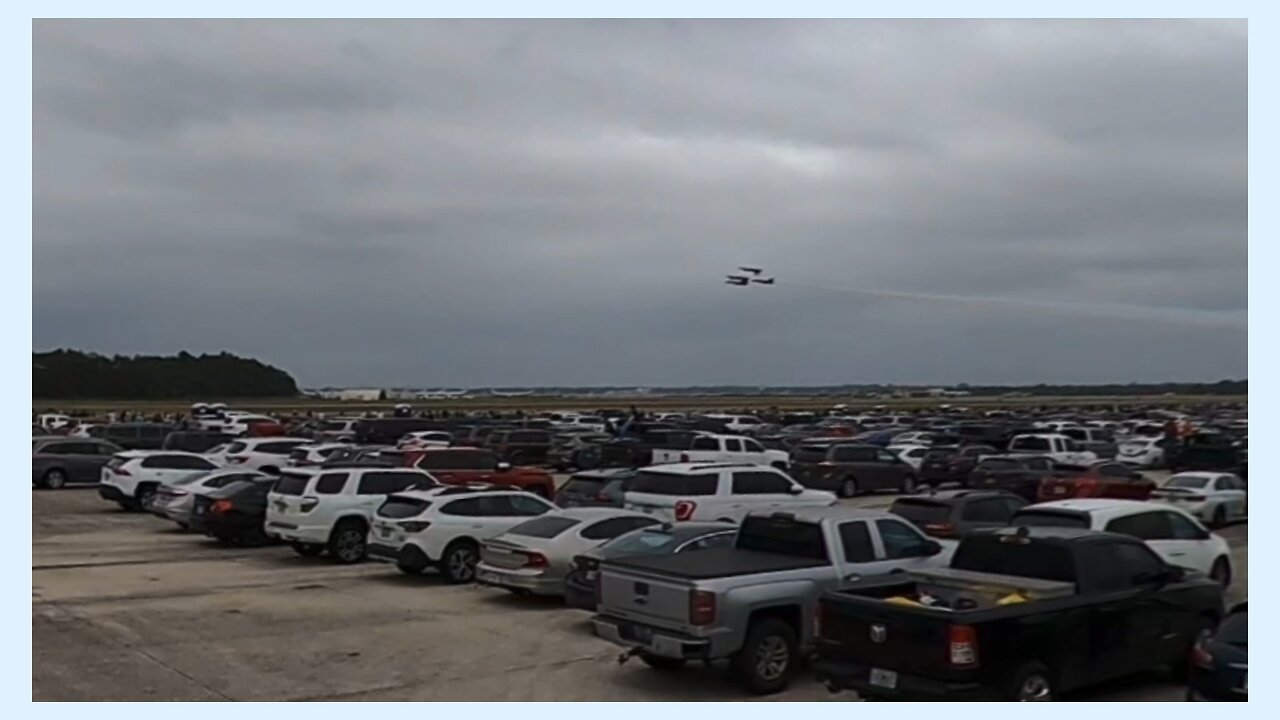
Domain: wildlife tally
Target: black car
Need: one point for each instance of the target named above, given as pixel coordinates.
(595, 488)
(951, 464)
(1219, 666)
(956, 513)
(59, 461)
(567, 448)
(850, 468)
(234, 513)
(386, 431)
(665, 539)
(1017, 474)
(196, 441)
(133, 435)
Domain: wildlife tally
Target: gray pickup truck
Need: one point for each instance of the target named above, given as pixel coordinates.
(751, 604)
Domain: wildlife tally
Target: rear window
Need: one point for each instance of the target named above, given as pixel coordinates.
(921, 512)
(809, 453)
(1185, 481)
(586, 486)
(543, 527)
(403, 507)
(237, 447)
(992, 554)
(656, 483)
(1050, 518)
(645, 542)
(782, 536)
(290, 484)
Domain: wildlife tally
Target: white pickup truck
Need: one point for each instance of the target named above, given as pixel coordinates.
(711, 448)
(1061, 448)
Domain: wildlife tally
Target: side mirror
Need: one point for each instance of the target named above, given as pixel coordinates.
(795, 490)
(503, 466)
(932, 548)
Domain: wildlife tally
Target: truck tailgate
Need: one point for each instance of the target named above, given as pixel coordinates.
(647, 598)
(884, 636)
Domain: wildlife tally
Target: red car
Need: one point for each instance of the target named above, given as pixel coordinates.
(461, 465)
(1101, 480)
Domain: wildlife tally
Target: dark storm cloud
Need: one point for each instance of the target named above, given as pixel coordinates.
(494, 203)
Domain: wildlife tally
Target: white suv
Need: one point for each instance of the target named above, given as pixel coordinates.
(331, 509)
(442, 527)
(131, 478)
(268, 454)
(726, 492)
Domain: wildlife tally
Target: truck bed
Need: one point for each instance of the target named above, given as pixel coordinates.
(716, 563)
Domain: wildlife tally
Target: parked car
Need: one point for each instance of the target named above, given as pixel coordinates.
(1215, 498)
(174, 499)
(1206, 450)
(442, 527)
(234, 513)
(459, 465)
(751, 604)
(131, 478)
(1100, 480)
(1061, 448)
(1143, 452)
(133, 435)
(709, 448)
(268, 454)
(425, 439)
(330, 509)
(1220, 661)
(1020, 475)
(313, 454)
(957, 513)
(566, 448)
(664, 539)
(195, 441)
(386, 431)
(1173, 534)
(912, 455)
(595, 488)
(952, 464)
(57, 462)
(850, 469)
(1094, 439)
(520, 446)
(722, 492)
(641, 446)
(1021, 614)
(535, 556)
(332, 430)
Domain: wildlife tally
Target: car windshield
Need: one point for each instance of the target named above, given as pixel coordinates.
(543, 527)
(584, 485)
(921, 512)
(403, 507)
(292, 484)
(1050, 518)
(1187, 481)
(809, 453)
(644, 542)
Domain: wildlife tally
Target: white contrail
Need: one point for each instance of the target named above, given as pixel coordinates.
(1187, 316)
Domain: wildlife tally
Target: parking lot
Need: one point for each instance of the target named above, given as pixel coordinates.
(125, 607)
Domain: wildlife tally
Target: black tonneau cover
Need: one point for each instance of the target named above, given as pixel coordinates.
(716, 563)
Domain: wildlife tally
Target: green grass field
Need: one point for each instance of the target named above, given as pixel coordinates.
(649, 403)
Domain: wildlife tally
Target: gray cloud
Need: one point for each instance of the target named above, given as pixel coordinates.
(507, 203)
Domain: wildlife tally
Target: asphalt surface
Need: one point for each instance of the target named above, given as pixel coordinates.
(126, 607)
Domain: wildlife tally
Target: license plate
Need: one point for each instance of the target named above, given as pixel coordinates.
(884, 678)
(638, 633)
(384, 531)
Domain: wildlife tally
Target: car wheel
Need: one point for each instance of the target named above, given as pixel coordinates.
(54, 479)
(848, 488)
(307, 549)
(1180, 665)
(1219, 516)
(459, 562)
(346, 543)
(767, 659)
(658, 662)
(146, 497)
(1221, 572)
(908, 484)
(1031, 683)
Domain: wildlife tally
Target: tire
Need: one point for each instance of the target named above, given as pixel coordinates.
(657, 662)
(1219, 517)
(347, 542)
(1031, 683)
(458, 562)
(908, 484)
(1221, 572)
(54, 479)
(144, 497)
(1180, 666)
(307, 549)
(848, 487)
(768, 658)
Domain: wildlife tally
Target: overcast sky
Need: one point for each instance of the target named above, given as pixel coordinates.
(521, 203)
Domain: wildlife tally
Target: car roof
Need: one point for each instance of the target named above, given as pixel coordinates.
(594, 513)
(1205, 474)
(259, 440)
(1060, 534)
(695, 468)
(829, 512)
(604, 474)
(148, 453)
(445, 491)
(1102, 507)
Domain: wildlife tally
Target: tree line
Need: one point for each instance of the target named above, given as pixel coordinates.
(71, 374)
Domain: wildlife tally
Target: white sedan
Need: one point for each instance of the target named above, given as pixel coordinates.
(1146, 452)
(1172, 533)
(1216, 498)
(912, 455)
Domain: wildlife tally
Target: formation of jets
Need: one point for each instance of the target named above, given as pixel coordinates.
(752, 276)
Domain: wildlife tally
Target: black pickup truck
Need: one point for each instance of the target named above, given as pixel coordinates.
(1020, 614)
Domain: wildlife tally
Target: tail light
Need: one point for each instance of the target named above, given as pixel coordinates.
(220, 507)
(534, 560)
(1200, 655)
(940, 529)
(309, 504)
(963, 646)
(685, 509)
(684, 457)
(1088, 488)
(702, 607)
(414, 526)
